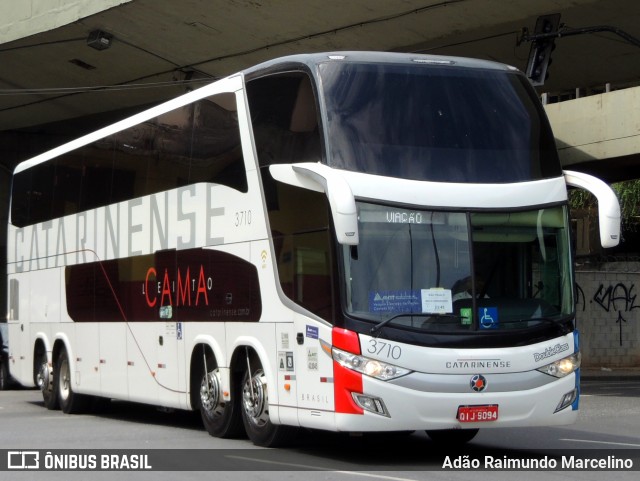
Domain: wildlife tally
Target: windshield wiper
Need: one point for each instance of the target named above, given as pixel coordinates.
(560, 324)
(380, 325)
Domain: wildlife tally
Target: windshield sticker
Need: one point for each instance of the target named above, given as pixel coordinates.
(465, 316)
(436, 301)
(395, 301)
(488, 317)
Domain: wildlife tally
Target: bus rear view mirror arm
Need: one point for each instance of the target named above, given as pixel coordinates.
(321, 178)
(608, 206)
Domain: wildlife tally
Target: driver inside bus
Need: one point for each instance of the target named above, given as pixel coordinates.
(463, 288)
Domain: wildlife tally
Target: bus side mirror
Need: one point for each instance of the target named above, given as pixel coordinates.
(321, 178)
(608, 206)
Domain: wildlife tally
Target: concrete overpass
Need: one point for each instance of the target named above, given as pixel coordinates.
(54, 86)
(600, 134)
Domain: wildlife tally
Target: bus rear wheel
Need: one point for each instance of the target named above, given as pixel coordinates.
(45, 382)
(255, 409)
(452, 437)
(70, 402)
(221, 419)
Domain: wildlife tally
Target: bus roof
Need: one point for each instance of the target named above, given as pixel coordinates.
(313, 59)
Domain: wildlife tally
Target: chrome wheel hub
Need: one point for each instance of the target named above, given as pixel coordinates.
(210, 399)
(254, 399)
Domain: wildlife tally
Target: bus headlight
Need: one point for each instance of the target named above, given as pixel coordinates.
(370, 367)
(563, 367)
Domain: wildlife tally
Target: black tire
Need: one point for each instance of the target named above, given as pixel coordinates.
(221, 419)
(452, 437)
(255, 410)
(4, 375)
(46, 382)
(70, 402)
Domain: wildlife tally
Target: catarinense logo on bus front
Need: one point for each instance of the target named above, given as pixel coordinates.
(478, 383)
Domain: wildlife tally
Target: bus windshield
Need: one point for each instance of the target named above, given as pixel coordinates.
(437, 123)
(459, 271)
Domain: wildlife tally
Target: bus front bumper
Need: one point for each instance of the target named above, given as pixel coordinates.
(410, 409)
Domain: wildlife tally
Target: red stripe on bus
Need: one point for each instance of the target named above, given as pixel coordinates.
(345, 380)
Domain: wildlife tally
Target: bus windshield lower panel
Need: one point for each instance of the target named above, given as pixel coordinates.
(460, 273)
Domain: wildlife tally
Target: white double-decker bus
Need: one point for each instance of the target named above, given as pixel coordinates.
(348, 241)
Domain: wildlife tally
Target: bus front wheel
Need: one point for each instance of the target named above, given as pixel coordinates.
(255, 409)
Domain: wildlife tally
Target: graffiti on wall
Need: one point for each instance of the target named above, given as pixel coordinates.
(619, 298)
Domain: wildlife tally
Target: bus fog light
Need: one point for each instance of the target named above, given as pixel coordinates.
(563, 367)
(567, 400)
(370, 403)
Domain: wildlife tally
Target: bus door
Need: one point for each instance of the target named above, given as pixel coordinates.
(312, 288)
(302, 242)
(19, 330)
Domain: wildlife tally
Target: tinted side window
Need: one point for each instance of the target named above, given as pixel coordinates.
(205, 285)
(199, 142)
(299, 222)
(215, 151)
(20, 198)
(32, 195)
(286, 130)
(284, 119)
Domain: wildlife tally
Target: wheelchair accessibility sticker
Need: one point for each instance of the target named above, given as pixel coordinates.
(488, 317)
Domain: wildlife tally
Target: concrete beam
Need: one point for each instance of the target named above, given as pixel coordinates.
(596, 128)
(19, 19)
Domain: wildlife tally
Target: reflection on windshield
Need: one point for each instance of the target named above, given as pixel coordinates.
(457, 271)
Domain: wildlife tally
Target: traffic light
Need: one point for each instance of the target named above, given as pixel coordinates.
(541, 48)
